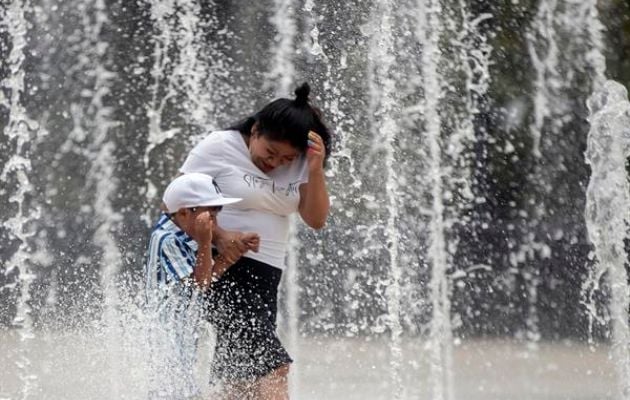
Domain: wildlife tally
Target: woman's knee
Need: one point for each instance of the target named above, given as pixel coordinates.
(277, 376)
(282, 371)
(274, 385)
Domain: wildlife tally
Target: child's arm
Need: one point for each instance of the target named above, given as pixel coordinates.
(202, 272)
(204, 266)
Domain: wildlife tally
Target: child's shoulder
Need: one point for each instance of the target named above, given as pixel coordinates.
(161, 236)
(158, 236)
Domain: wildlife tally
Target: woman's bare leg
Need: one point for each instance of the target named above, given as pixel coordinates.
(236, 391)
(274, 385)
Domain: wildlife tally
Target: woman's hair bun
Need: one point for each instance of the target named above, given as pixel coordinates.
(301, 94)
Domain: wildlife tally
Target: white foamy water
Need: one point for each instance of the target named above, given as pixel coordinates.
(70, 366)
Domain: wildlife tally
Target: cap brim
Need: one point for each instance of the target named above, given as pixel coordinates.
(220, 202)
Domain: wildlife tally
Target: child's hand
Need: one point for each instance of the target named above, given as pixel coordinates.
(203, 228)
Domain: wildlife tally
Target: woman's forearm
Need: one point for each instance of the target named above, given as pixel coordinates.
(220, 266)
(314, 200)
(217, 233)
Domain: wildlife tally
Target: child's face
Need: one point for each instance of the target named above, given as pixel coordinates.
(213, 210)
(198, 222)
(188, 216)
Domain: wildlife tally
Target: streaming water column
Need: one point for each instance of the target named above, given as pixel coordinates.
(164, 89)
(543, 42)
(383, 100)
(19, 131)
(429, 31)
(588, 16)
(96, 118)
(608, 214)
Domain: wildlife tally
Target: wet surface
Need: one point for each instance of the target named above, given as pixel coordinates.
(81, 366)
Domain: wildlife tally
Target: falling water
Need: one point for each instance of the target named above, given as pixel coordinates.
(282, 74)
(186, 74)
(163, 40)
(332, 86)
(96, 120)
(543, 41)
(429, 33)
(573, 27)
(546, 67)
(176, 72)
(588, 16)
(448, 137)
(196, 76)
(292, 287)
(101, 178)
(607, 218)
(19, 133)
(386, 109)
(311, 42)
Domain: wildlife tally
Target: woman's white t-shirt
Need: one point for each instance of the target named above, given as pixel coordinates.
(268, 199)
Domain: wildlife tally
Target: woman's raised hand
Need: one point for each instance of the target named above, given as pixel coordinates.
(316, 152)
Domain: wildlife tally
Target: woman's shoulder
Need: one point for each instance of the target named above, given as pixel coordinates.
(215, 140)
(221, 136)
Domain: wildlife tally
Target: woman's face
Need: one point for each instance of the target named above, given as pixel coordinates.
(268, 154)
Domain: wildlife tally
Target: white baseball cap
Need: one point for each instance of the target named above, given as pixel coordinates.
(194, 190)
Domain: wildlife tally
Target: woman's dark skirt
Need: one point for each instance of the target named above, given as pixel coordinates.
(243, 306)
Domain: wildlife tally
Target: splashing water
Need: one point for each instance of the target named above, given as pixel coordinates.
(380, 306)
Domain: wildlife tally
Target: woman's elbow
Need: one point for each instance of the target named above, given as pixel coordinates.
(317, 225)
(315, 219)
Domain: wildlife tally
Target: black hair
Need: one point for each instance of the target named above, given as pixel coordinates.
(289, 120)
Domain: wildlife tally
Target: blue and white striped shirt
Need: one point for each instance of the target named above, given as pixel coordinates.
(175, 307)
(171, 256)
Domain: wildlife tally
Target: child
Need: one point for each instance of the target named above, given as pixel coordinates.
(179, 269)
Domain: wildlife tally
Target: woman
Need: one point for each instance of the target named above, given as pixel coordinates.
(274, 161)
